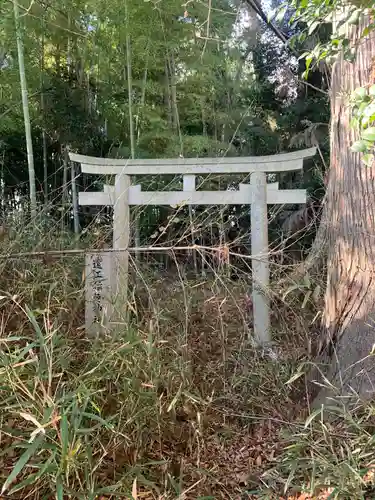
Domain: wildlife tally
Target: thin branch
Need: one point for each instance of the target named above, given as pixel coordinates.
(256, 7)
(50, 22)
(48, 254)
(304, 82)
(208, 21)
(218, 10)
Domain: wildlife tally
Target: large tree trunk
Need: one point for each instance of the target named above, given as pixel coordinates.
(349, 315)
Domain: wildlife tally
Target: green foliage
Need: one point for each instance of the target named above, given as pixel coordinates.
(85, 417)
(315, 14)
(193, 92)
(363, 102)
(330, 455)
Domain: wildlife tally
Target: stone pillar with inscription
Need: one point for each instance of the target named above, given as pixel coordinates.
(98, 289)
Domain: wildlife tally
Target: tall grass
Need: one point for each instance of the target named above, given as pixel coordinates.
(176, 404)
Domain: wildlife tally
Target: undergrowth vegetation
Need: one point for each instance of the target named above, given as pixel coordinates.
(176, 404)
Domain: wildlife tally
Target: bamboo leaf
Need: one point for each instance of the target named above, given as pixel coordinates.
(354, 18)
(316, 293)
(368, 159)
(290, 290)
(64, 431)
(48, 467)
(175, 399)
(306, 299)
(312, 416)
(313, 27)
(134, 489)
(22, 461)
(30, 418)
(294, 377)
(360, 93)
(369, 134)
(359, 147)
(59, 489)
(98, 419)
(281, 14)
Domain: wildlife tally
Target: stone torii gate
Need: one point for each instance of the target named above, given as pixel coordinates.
(258, 194)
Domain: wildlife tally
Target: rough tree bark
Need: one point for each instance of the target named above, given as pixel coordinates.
(349, 315)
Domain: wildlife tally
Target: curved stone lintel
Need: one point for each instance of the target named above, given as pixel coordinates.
(243, 164)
